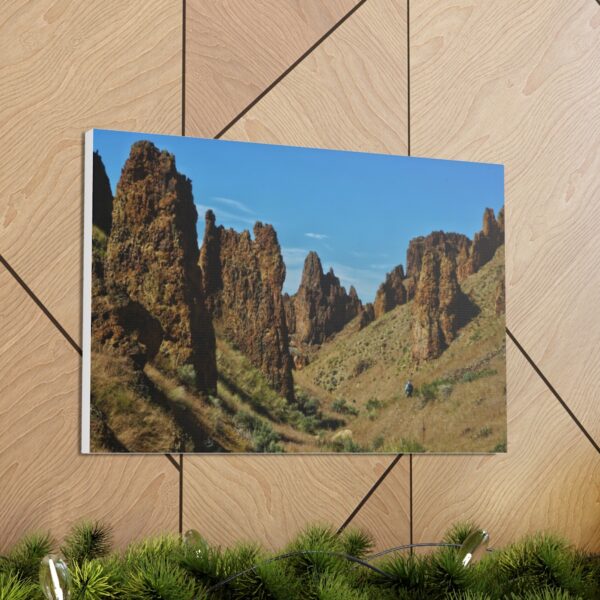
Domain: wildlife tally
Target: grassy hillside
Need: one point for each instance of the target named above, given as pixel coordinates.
(459, 401)
(349, 398)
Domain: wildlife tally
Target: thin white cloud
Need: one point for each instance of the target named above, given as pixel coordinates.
(219, 213)
(233, 204)
(316, 236)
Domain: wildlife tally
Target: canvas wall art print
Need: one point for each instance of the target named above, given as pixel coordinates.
(243, 297)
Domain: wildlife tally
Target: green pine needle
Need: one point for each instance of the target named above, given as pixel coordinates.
(24, 559)
(13, 588)
(459, 532)
(87, 540)
(336, 586)
(356, 543)
(538, 567)
(445, 574)
(406, 575)
(90, 581)
(157, 579)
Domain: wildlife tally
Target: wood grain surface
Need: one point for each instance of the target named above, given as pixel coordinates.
(234, 50)
(386, 514)
(513, 82)
(45, 483)
(349, 94)
(268, 499)
(548, 480)
(519, 83)
(67, 66)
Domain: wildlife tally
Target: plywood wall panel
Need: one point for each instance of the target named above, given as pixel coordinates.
(349, 94)
(236, 49)
(548, 480)
(386, 514)
(67, 66)
(269, 499)
(45, 483)
(519, 83)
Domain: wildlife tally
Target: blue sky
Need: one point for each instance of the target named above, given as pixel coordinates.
(358, 211)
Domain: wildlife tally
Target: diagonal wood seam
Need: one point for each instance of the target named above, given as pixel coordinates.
(289, 69)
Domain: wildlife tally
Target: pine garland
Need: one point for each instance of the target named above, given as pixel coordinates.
(538, 567)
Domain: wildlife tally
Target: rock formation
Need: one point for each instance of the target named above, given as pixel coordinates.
(102, 204)
(290, 313)
(487, 241)
(243, 279)
(366, 315)
(455, 245)
(469, 255)
(391, 292)
(321, 306)
(440, 307)
(155, 308)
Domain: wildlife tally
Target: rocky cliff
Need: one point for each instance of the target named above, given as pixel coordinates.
(440, 307)
(243, 279)
(486, 241)
(153, 306)
(321, 306)
(455, 245)
(102, 204)
(391, 292)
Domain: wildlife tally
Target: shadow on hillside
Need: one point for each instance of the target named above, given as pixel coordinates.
(185, 419)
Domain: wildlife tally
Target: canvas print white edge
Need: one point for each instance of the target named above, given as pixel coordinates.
(87, 292)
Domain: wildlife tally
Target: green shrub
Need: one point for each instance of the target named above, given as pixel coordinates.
(262, 435)
(539, 567)
(500, 447)
(157, 578)
(408, 446)
(341, 406)
(24, 559)
(187, 375)
(90, 581)
(14, 588)
(87, 540)
(474, 375)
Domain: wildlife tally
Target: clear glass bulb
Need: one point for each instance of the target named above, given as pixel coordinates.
(474, 547)
(192, 538)
(55, 578)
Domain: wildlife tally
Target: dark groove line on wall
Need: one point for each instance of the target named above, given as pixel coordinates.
(289, 69)
(408, 151)
(173, 461)
(369, 493)
(410, 499)
(180, 494)
(553, 390)
(408, 75)
(183, 59)
(40, 305)
(183, 82)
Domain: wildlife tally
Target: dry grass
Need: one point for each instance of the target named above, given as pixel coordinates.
(354, 382)
(459, 403)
